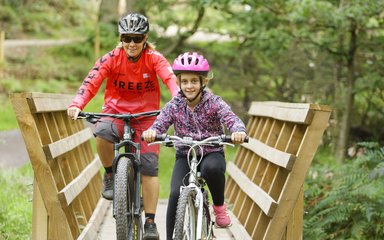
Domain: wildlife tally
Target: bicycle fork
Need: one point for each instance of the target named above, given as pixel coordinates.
(199, 204)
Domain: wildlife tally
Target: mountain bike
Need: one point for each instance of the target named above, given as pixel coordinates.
(127, 207)
(193, 218)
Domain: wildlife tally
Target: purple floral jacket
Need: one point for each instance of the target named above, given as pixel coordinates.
(205, 120)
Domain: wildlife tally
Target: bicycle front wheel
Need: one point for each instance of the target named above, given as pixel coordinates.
(207, 224)
(185, 224)
(123, 198)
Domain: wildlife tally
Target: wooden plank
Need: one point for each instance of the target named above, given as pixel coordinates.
(67, 144)
(295, 224)
(263, 200)
(295, 180)
(237, 229)
(70, 169)
(271, 154)
(74, 188)
(47, 102)
(90, 232)
(58, 227)
(298, 113)
(39, 215)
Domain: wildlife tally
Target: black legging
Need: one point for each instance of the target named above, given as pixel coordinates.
(212, 169)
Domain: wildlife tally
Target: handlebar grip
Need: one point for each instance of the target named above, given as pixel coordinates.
(227, 138)
(82, 114)
(159, 137)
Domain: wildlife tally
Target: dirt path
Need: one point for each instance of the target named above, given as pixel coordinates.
(13, 43)
(13, 152)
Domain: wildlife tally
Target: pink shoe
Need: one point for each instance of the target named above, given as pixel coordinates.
(222, 218)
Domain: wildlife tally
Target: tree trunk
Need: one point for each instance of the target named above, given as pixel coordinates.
(348, 97)
(109, 12)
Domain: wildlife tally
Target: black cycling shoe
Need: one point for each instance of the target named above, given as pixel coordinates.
(107, 192)
(150, 231)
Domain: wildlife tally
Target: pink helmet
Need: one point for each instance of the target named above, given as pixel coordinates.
(190, 62)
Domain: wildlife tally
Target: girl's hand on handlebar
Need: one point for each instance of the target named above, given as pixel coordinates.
(73, 112)
(238, 137)
(149, 135)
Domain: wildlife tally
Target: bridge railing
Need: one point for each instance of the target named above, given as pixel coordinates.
(264, 187)
(67, 184)
(265, 180)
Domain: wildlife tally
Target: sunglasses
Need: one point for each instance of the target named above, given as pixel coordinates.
(128, 39)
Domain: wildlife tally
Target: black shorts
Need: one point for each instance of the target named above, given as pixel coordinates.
(111, 130)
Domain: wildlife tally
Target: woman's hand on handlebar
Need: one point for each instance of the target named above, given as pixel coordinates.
(149, 135)
(238, 137)
(73, 112)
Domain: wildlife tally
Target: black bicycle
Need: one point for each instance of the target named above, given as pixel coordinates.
(127, 208)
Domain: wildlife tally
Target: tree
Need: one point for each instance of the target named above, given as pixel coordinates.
(343, 29)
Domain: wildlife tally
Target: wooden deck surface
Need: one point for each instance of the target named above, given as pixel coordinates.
(107, 230)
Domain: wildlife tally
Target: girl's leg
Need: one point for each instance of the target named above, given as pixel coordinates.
(212, 169)
(180, 169)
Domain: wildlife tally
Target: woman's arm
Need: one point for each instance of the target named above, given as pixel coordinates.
(164, 71)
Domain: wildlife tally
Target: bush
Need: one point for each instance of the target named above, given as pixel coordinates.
(347, 203)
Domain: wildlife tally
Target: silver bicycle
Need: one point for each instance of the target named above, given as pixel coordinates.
(193, 218)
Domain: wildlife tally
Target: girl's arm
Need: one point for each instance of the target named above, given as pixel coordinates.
(229, 118)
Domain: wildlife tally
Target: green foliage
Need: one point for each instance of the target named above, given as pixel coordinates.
(15, 205)
(346, 203)
(166, 162)
(8, 118)
(46, 18)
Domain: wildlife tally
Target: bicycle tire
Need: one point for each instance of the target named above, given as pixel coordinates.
(207, 225)
(185, 224)
(123, 198)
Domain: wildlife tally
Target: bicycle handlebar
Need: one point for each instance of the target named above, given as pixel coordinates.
(94, 117)
(215, 140)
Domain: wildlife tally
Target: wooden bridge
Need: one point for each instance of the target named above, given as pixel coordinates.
(107, 227)
(264, 187)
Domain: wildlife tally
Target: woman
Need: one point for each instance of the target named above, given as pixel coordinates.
(131, 70)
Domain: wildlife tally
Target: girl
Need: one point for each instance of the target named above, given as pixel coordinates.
(197, 113)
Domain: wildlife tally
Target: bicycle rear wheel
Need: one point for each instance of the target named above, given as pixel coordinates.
(123, 198)
(185, 224)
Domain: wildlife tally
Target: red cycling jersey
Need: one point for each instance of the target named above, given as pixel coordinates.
(131, 86)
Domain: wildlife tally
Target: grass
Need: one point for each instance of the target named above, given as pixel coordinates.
(8, 118)
(15, 205)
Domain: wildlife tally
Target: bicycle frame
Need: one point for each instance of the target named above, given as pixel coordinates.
(127, 143)
(199, 200)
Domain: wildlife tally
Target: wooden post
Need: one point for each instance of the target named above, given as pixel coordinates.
(2, 40)
(39, 215)
(96, 45)
(97, 41)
